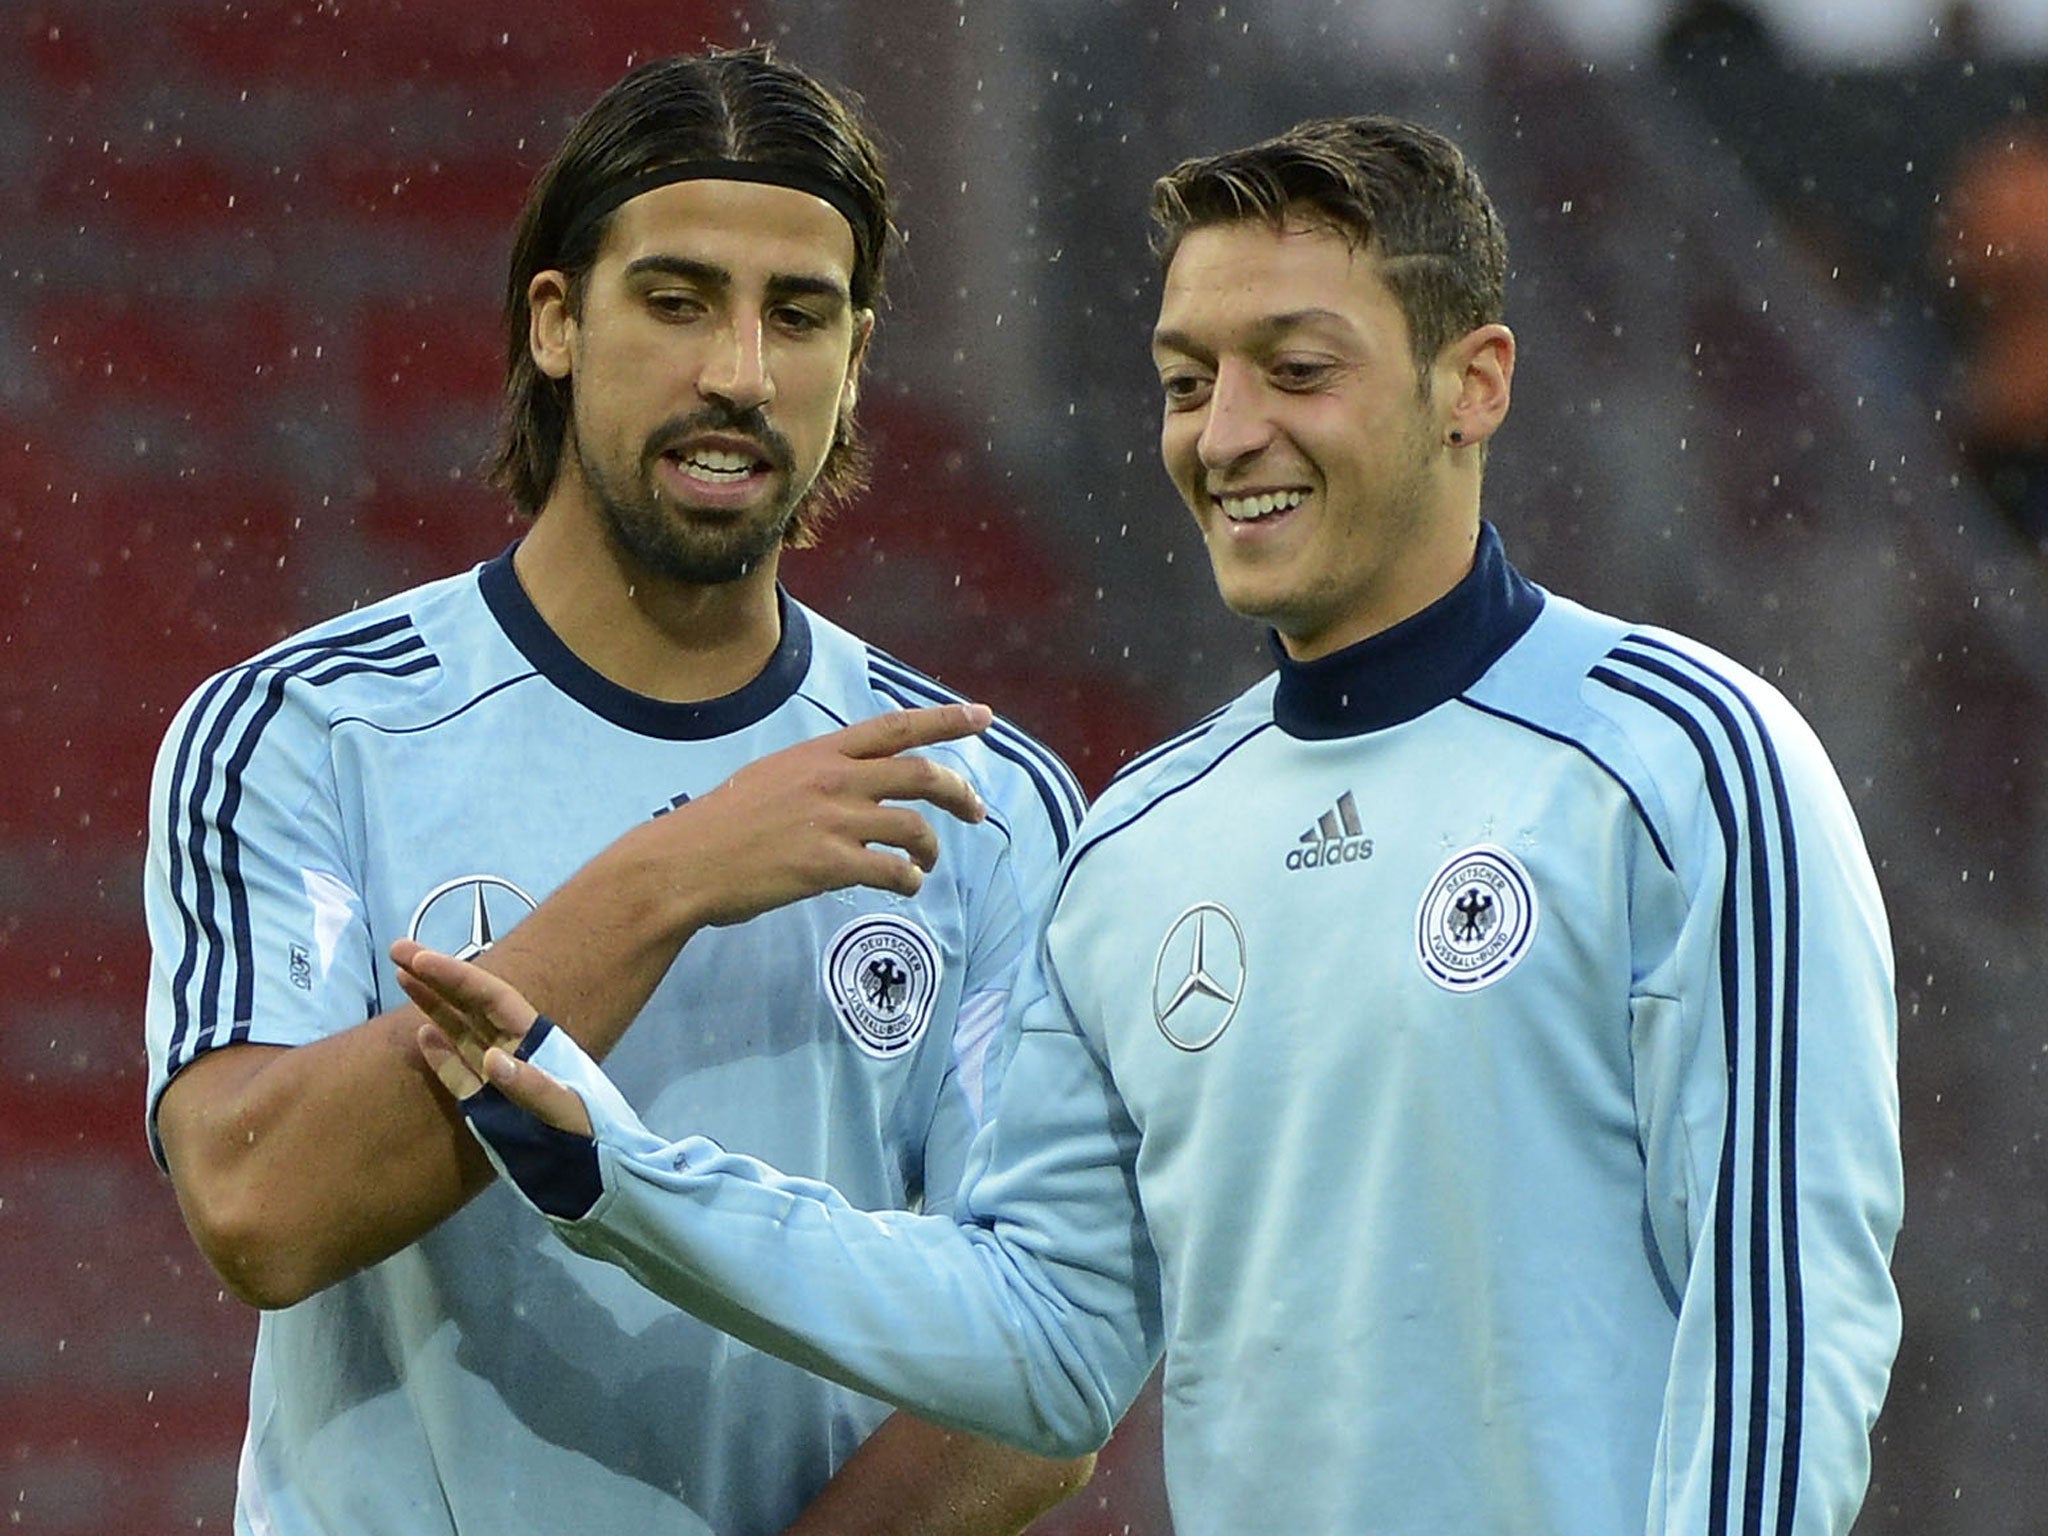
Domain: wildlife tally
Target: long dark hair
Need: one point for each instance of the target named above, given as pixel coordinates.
(739, 105)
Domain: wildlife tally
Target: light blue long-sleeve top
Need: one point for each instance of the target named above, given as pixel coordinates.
(1470, 1057)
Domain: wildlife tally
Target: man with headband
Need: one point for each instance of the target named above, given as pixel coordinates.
(627, 772)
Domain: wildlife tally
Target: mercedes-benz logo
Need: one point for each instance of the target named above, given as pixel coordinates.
(1199, 976)
(465, 917)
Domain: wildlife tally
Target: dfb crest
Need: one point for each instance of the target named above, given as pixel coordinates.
(1476, 919)
(882, 974)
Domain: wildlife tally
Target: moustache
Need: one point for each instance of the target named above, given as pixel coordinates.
(751, 424)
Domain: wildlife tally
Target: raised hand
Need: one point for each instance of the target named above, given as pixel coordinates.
(819, 816)
(477, 1021)
(825, 814)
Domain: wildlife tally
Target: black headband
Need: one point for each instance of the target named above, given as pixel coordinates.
(767, 172)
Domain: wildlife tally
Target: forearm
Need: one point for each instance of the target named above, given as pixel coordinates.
(911, 1478)
(592, 954)
(297, 1167)
(1034, 1324)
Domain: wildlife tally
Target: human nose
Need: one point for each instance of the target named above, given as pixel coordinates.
(1235, 425)
(736, 370)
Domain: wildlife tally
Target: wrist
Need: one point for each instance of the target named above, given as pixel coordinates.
(663, 885)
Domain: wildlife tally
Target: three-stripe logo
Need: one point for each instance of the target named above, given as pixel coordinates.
(1336, 838)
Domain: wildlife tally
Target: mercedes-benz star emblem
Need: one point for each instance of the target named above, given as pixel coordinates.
(465, 917)
(1199, 976)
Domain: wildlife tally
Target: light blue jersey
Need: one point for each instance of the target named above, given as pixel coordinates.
(1471, 1056)
(434, 766)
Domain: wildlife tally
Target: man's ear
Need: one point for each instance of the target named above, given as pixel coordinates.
(1476, 374)
(863, 332)
(550, 323)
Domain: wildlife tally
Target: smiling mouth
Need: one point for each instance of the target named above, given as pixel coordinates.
(1256, 507)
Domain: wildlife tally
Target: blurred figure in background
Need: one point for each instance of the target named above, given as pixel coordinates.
(1996, 257)
(1716, 34)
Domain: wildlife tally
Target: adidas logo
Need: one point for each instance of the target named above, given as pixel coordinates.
(1336, 838)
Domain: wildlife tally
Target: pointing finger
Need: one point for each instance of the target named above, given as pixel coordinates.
(903, 729)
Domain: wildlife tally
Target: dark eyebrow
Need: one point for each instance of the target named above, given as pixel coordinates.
(708, 274)
(1266, 329)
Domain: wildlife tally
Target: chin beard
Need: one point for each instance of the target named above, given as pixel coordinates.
(658, 541)
(656, 536)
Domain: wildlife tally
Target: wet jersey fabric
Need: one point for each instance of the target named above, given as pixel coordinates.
(434, 766)
(1470, 1057)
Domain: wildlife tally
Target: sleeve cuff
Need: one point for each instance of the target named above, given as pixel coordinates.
(557, 1171)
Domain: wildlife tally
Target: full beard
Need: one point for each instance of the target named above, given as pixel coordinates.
(648, 529)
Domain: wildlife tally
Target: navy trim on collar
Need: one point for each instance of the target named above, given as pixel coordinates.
(1424, 660)
(527, 630)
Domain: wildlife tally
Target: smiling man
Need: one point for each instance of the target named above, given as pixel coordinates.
(691, 796)
(1469, 1055)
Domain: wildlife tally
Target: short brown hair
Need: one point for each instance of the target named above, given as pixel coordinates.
(742, 105)
(1398, 190)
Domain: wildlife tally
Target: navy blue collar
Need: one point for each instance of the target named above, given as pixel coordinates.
(527, 630)
(1408, 670)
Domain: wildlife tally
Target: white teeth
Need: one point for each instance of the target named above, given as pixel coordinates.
(719, 462)
(1249, 509)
